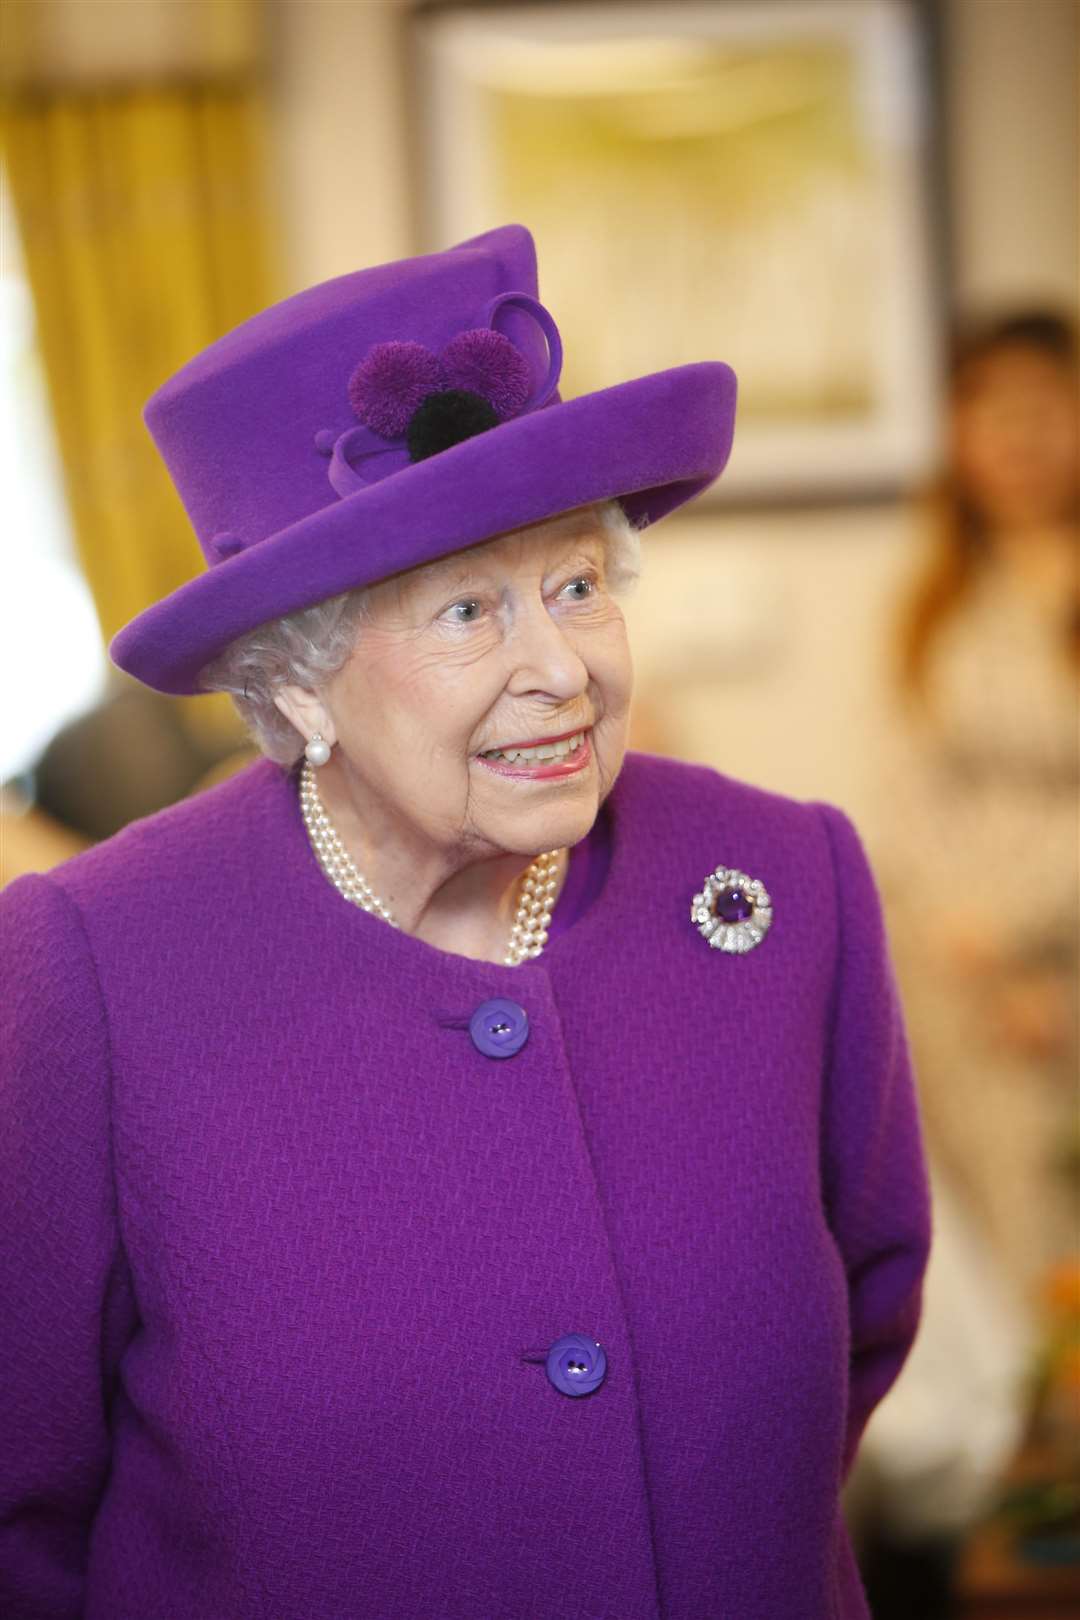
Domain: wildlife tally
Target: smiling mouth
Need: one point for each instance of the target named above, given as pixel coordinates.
(561, 748)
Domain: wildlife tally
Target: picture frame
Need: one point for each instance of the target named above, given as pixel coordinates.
(748, 180)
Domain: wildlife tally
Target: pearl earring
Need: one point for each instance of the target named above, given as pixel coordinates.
(317, 751)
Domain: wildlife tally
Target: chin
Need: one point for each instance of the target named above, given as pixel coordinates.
(573, 822)
(553, 827)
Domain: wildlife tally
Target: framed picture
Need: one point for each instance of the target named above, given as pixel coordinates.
(746, 180)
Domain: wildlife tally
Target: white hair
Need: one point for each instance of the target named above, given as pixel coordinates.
(310, 646)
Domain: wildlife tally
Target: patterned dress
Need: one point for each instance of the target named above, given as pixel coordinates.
(979, 831)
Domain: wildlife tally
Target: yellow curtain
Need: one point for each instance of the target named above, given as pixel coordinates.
(143, 222)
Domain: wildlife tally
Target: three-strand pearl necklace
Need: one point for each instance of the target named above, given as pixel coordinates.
(529, 934)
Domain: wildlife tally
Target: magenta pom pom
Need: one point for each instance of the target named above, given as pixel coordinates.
(390, 382)
(485, 362)
(324, 441)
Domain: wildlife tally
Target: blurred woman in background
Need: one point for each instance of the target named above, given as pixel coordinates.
(976, 841)
(984, 881)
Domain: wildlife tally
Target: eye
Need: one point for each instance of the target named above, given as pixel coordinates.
(469, 611)
(588, 581)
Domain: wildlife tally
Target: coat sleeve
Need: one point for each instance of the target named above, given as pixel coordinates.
(68, 1305)
(874, 1166)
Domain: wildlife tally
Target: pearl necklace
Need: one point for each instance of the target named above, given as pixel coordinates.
(529, 934)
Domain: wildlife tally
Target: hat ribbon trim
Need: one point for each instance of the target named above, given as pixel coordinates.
(532, 306)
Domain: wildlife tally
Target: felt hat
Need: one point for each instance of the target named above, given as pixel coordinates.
(388, 417)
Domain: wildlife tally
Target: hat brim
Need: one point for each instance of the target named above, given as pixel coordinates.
(654, 443)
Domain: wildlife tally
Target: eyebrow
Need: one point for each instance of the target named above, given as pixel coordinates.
(452, 572)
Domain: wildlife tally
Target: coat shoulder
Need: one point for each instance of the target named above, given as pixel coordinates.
(684, 812)
(696, 793)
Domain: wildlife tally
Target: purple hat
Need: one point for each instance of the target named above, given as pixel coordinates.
(389, 417)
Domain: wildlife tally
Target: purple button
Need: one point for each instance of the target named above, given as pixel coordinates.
(576, 1364)
(499, 1028)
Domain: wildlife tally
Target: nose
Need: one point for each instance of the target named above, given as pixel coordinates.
(544, 659)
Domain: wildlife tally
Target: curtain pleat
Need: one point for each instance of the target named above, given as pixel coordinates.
(143, 217)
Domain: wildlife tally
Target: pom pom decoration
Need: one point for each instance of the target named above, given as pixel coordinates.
(390, 383)
(485, 362)
(423, 402)
(447, 418)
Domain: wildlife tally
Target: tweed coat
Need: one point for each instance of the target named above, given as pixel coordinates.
(284, 1251)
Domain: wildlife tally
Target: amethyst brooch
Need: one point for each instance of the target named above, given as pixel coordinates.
(733, 911)
(415, 401)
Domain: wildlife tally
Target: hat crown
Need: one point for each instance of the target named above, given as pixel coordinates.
(261, 430)
(390, 417)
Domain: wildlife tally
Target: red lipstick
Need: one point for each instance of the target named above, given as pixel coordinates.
(541, 769)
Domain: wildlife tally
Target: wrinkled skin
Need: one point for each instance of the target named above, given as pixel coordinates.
(516, 639)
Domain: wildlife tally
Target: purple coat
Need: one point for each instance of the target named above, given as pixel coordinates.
(284, 1251)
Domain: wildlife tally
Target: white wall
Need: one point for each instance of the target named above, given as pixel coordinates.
(1013, 67)
(340, 129)
(761, 642)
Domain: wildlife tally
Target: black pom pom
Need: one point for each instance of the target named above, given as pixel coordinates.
(446, 418)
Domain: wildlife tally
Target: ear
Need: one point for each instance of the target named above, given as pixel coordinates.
(307, 712)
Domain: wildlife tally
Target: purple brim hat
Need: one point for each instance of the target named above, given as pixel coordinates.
(389, 417)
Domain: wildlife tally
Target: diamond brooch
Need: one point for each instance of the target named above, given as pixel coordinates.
(733, 911)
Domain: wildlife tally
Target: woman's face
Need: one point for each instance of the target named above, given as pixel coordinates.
(1015, 422)
(515, 641)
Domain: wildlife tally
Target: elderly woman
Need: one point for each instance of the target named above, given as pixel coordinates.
(456, 1167)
